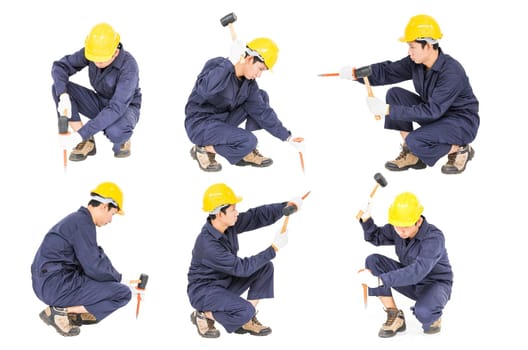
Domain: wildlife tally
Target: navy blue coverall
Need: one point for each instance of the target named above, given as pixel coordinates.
(115, 104)
(423, 272)
(218, 277)
(445, 107)
(220, 102)
(70, 269)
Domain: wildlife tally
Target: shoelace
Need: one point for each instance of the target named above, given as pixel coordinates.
(211, 157)
(390, 318)
(404, 152)
(81, 145)
(210, 324)
(255, 321)
(451, 158)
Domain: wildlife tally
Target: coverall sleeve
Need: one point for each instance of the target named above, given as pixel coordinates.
(67, 66)
(264, 115)
(214, 80)
(429, 254)
(258, 217)
(377, 235)
(448, 86)
(92, 258)
(220, 259)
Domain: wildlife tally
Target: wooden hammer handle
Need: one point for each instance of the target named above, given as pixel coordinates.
(232, 30)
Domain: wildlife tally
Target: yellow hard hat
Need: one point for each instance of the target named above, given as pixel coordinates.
(110, 191)
(421, 27)
(266, 49)
(101, 43)
(405, 210)
(219, 195)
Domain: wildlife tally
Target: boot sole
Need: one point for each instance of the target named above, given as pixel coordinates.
(208, 170)
(392, 334)
(417, 166)
(261, 334)
(262, 165)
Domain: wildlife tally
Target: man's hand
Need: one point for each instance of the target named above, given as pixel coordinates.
(237, 50)
(280, 241)
(367, 211)
(297, 143)
(367, 278)
(297, 202)
(377, 106)
(347, 72)
(64, 105)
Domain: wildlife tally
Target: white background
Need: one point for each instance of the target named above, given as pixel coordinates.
(318, 300)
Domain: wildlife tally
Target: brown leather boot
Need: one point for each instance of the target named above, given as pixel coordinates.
(206, 160)
(124, 151)
(254, 327)
(405, 160)
(58, 318)
(395, 323)
(205, 326)
(83, 150)
(254, 158)
(435, 327)
(456, 162)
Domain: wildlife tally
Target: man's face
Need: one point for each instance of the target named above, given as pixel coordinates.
(108, 62)
(230, 217)
(418, 54)
(253, 70)
(103, 215)
(408, 231)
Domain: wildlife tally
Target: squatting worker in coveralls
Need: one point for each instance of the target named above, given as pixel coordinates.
(423, 272)
(113, 106)
(445, 107)
(72, 274)
(225, 95)
(218, 276)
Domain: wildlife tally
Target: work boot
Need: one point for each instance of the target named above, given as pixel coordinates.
(405, 160)
(395, 323)
(206, 160)
(254, 158)
(457, 161)
(82, 318)
(205, 326)
(83, 149)
(124, 150)
(58, 318)
(254, 327)
(435, 327)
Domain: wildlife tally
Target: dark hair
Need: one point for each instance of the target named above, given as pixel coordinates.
(223, 210)
(255, 58)
(424, 42)
(96, 203)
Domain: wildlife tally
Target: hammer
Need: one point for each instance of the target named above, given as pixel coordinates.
(380, 181)
(228, 20)
(364, 72)
(288, 210)
(63, 132)
(142, 284)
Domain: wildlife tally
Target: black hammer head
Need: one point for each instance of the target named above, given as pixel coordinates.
(228, 19)
(380, 179)
(363, 72)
